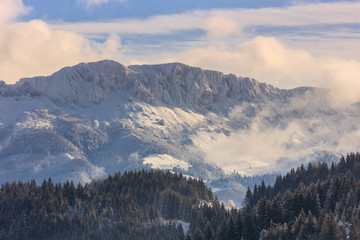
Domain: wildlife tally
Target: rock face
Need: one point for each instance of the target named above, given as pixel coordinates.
(181, 85)
(92, 119)
(174, 84)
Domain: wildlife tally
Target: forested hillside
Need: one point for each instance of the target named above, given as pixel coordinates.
(123, 206)
(316, 202)
(313, 202)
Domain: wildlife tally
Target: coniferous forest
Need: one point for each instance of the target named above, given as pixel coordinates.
(313, 202)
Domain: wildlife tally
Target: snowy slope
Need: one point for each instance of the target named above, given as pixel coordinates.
(93, 119)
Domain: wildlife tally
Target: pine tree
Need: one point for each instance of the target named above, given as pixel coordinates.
(249, 230)
(232, 231)
(239, 226)
(209, 232)
(188, 236)
(223, 231)
(276, 209)
(180, 232)
(299, 223)
(311, 225)
(249, 196)
(302, 234)
(329, 228)
(262, 214)
(354, 230)
(198, 234)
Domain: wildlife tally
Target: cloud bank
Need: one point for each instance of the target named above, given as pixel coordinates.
(281, 136)
(267, 59)
(34, 48)
(229, 20)
(11, 9)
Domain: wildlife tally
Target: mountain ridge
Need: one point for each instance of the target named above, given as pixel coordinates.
(94, 119)
(176, 84)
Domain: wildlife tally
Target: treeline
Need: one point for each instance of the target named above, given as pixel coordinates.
(316, 202)
(347, 166)
(123, 206)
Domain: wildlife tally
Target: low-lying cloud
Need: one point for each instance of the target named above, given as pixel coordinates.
(282, 136)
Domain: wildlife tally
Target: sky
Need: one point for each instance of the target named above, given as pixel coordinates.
(284, 43)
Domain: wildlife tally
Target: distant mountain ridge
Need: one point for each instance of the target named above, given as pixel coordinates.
(174, 83)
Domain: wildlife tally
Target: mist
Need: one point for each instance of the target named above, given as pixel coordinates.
(281, 136)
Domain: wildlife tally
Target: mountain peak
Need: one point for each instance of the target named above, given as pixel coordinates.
(83, 84)
(175, 84)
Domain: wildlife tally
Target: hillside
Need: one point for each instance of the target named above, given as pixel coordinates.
(93, 119)
(133, 205)
(317, 202)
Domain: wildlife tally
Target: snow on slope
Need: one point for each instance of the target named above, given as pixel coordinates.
(164, 161)
(83, 84)
(93, 119)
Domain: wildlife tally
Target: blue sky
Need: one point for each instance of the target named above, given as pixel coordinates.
(70, 10)
(102, 10)
(285, 43)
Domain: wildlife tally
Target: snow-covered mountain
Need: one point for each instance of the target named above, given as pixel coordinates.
(93, 119)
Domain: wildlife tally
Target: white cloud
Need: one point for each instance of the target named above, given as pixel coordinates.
(255, 150)
(220, 26)
(151, 25)
(34, 48)
(281, 136)
(90, 3)
(268, 60)
(229, 19)
(10, 9)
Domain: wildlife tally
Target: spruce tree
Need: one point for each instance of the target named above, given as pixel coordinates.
(232, 231)
(209, 232)
(329, 228)
(180, 232)
(223, 230)
(262, 214)
(239, 226)
(249, 230)
(188, 236)
(197, 234)
(354, 230)
(302, 234)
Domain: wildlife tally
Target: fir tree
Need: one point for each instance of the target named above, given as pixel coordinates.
(232, 231)
(223, 231)
(188, 236)
(209, 232)
(249, 230)
(329, 228)
(197, 234)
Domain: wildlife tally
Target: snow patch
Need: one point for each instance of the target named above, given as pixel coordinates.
(164, 161)
(69, 156)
